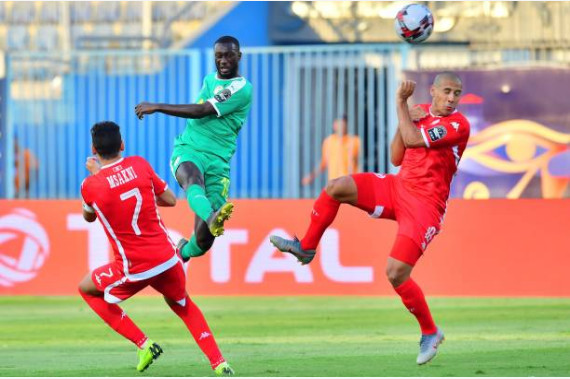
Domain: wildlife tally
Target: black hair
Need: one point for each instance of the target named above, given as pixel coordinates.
(228, 39)
(106, 137)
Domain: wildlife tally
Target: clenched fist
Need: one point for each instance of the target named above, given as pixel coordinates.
(405, 90)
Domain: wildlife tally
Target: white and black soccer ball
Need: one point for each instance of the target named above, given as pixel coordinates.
(414, 23)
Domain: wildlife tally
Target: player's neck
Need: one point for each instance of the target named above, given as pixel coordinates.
(229, 77)
(433, 112)
(107, 162)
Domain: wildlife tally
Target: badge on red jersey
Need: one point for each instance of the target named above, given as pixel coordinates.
(436, 133)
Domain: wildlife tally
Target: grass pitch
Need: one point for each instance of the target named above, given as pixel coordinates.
(291, 336)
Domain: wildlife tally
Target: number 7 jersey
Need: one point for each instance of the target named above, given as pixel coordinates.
(122, 195)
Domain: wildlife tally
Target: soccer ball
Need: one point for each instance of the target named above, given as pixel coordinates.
(414, 23)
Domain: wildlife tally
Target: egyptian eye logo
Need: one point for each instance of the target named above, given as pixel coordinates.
(520, 147)
(24, 247)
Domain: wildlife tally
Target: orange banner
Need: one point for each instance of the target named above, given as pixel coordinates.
(486, 248)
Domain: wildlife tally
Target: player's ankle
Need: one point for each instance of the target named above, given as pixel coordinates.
(145, 344)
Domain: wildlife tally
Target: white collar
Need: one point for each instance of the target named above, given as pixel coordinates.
(432, 115)
(236, 78)
(112, 164)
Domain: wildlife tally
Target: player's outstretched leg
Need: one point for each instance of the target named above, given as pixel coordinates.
(218, 218)
(180, 249)
(293, 247)
(148, 354)
(325, 209)
(200, 242)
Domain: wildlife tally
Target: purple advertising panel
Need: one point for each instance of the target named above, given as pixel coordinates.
(519, 145)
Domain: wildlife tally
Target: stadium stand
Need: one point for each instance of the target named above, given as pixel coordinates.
(37, 25)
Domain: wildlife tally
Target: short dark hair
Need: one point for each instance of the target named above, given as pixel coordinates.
(227, 39)
(450, 75)
(106, 137)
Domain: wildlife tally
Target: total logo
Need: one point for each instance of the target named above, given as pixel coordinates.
(24, 247)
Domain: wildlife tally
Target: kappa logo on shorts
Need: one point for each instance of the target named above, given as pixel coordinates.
(223, 95)
(436, 133)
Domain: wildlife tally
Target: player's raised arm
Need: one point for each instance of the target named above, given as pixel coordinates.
(93, 166)
(411, 135)
(177, 110)
(397, 149)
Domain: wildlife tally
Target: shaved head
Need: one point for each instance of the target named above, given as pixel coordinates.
(445, 92)
(446, 75)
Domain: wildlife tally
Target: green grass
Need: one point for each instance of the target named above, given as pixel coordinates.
(291, 336)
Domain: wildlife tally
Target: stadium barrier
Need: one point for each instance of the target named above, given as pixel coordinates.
(486, 248)
(298, 91)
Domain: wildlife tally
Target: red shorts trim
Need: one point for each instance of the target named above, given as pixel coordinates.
(115, 286)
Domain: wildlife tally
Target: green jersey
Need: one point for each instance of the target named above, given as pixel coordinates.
(217, 134)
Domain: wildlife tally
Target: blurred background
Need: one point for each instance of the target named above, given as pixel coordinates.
(313, 65)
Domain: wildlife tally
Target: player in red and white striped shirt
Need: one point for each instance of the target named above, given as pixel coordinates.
(123, 193)
(428, 150)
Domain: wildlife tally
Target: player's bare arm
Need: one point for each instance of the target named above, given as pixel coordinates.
(89, 215)
(397, 149)
(166, 199)
(93, 166)
(417, 113)
(177, 110)
(411, 135)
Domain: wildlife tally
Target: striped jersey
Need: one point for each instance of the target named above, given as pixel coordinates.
(122, 194)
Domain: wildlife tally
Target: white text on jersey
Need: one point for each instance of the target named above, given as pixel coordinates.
(121, 177)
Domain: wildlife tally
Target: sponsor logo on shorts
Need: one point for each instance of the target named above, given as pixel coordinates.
(436, 133)
(223, 95)
(430, 233)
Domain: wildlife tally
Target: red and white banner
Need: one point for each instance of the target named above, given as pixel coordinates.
(486, 248)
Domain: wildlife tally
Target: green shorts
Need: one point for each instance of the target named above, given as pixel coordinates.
(216, 171)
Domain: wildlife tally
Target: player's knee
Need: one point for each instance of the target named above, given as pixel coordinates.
(338, 188)
(170, 302)
(396, 275)
(83, 287)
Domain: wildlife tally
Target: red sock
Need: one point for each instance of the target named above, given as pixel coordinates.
(198, 327)
(414, 299)
(116, 318)
(323, 214)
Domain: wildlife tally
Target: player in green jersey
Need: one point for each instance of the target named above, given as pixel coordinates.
(200, 161)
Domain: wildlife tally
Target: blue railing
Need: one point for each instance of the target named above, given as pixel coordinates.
(298, 91)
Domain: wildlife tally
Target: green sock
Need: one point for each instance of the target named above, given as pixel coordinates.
(199, 202)
(191, 249)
